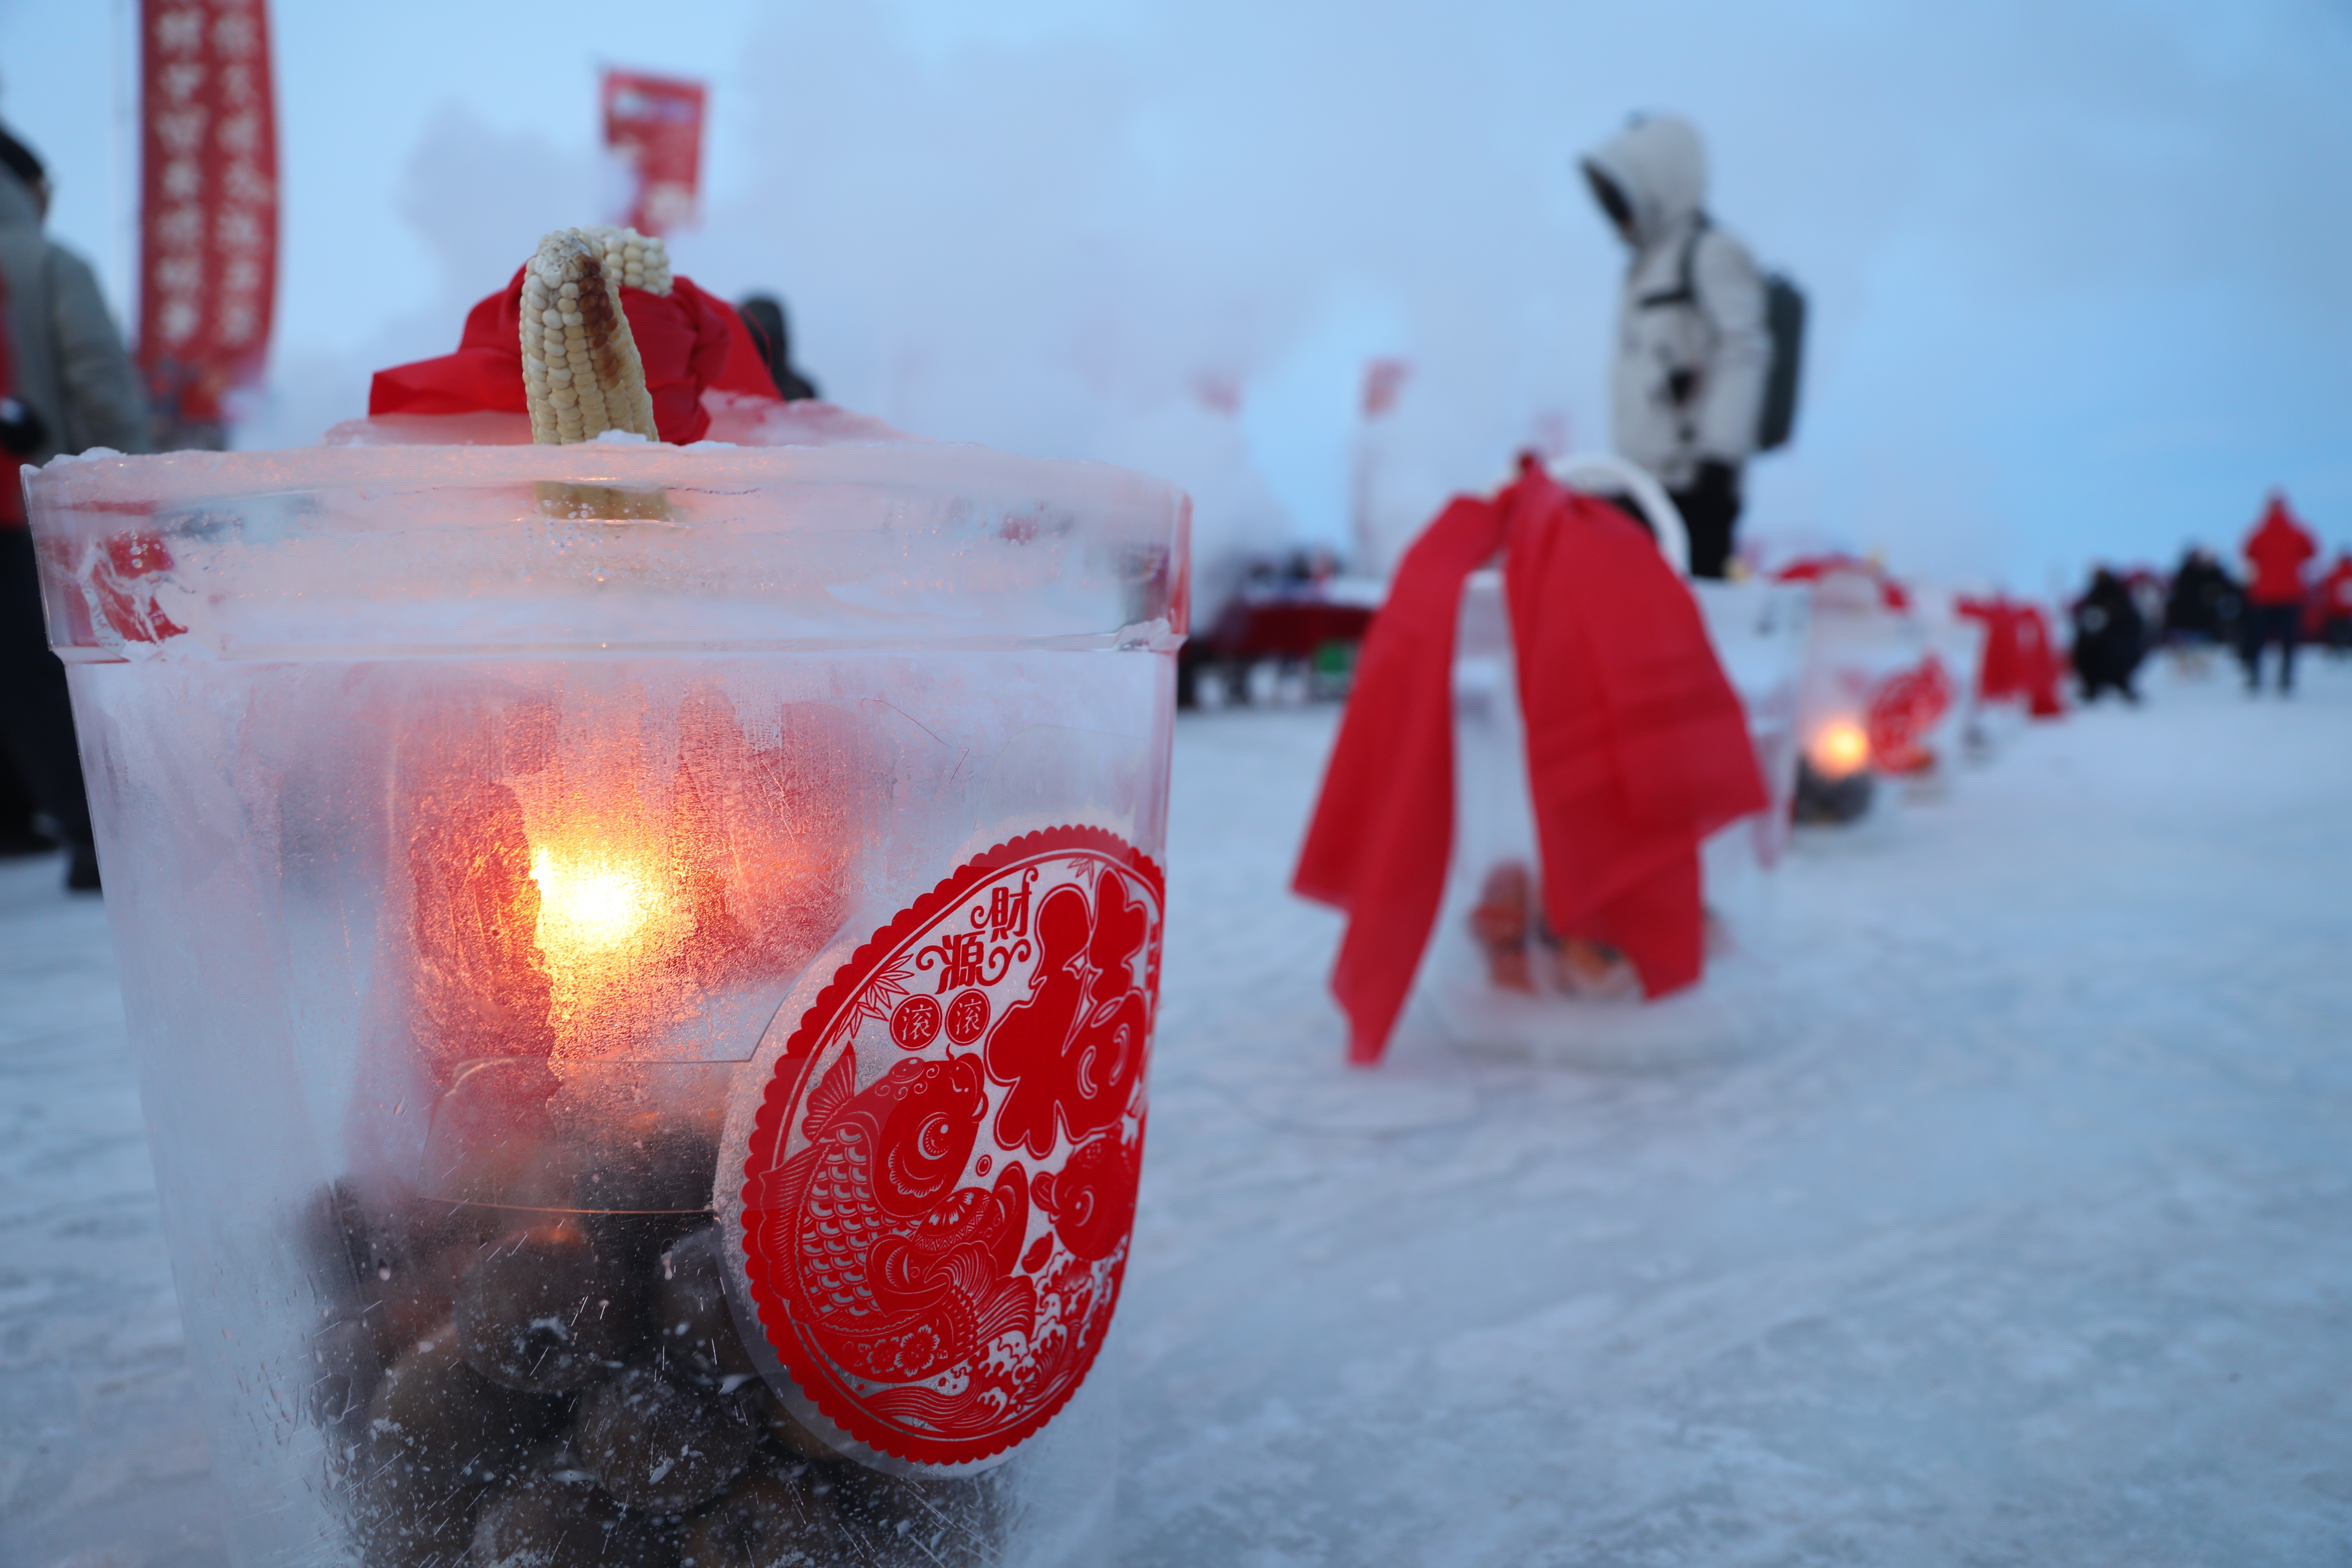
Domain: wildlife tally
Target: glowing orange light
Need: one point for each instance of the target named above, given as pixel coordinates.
(608, 919)
(1839, 749)
(588, 905)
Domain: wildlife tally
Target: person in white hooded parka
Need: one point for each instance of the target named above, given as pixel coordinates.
(1693, 350)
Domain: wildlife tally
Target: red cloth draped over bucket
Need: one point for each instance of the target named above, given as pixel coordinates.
(2021, 658)
(1637, 747)
(1892, 594)
(691, 342)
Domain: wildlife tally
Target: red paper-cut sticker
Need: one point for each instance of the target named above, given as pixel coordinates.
(967, 1017)
(915, 1023)
(932, 1313)
(1904, 708)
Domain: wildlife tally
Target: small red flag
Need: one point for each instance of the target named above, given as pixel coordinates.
(656, 123)
(1383, 380)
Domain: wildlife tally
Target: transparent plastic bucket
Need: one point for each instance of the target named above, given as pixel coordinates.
(1526, 994)
(1887, 692)
(642, 964)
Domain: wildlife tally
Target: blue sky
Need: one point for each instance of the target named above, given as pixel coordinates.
(2075, 268)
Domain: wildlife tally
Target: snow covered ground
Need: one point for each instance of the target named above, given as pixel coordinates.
(2027, 1239)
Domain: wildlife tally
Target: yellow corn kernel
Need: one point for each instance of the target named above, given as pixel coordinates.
(581, 372)
(638, 261)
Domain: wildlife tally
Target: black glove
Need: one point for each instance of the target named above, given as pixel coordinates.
(21, 430)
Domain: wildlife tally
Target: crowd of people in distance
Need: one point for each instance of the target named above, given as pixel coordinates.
(2123, 616)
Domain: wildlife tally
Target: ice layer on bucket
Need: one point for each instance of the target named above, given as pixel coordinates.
(641, 962)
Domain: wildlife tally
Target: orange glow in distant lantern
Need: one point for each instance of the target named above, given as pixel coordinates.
(1839, 749)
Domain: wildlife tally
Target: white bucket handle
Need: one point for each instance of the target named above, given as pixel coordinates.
(1591, 471)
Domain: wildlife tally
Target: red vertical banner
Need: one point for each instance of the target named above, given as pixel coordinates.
(208, 201)
(656, 123)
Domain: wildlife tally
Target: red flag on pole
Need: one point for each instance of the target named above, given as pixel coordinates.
(208, 201)
(656, 123)
(1383, 380)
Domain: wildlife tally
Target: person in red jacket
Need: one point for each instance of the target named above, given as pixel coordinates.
(2336, 604)
(2277, 551)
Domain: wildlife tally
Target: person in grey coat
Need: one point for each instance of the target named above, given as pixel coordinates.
(75, 380)
(1693, 349)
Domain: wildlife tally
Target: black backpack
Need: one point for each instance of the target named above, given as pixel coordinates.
(1784, 317)
(1784, 323)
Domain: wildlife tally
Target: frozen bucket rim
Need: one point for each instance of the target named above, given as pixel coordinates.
(490, 550)
(106, 480)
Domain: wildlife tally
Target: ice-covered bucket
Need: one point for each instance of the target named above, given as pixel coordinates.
(1495, 977)
(1886, 690)
(642, 963)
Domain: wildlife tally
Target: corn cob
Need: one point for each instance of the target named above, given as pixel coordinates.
(580, 367)
(638, 261)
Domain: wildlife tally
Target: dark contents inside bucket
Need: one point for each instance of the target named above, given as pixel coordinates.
(509, 1385)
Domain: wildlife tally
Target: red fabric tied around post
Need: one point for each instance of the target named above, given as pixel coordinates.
(1637, 748)
(690, 341)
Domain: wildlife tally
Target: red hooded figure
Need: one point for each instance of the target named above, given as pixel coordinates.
(2277, 550)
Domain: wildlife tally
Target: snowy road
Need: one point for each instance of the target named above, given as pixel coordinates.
(2029, 1241)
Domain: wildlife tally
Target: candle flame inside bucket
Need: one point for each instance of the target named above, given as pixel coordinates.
(1838, 748)
(587, 906)
(611, 922)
